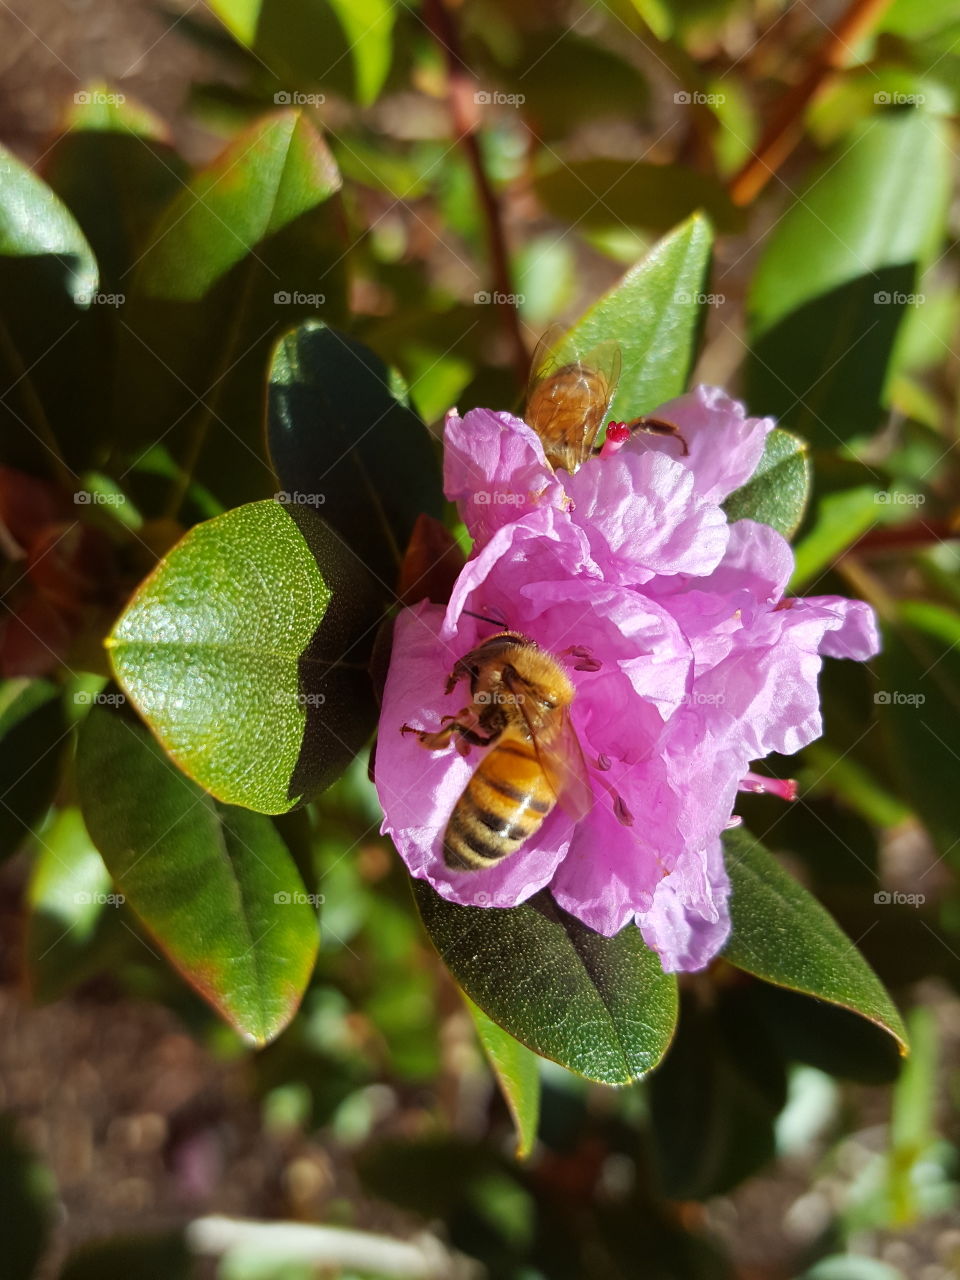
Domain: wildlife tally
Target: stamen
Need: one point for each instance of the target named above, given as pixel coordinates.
(759, 784)
(623, 813)
(603, 762)
(618, 433)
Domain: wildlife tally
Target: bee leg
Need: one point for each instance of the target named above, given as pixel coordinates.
(440, 739)
(660, 427)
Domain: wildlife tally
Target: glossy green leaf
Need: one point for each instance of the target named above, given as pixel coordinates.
(598, 192)
(602, 1007)
(518, 1075)
(777, 492)
(343, 437)
(822, 337)
(34, 223)
(32, 734)
(71, 902)
(653, 312)
(214, 885)
(780, 933)
(245, 652)
(918, 705)
(250, 247)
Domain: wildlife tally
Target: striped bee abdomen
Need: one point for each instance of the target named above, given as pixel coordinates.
(503, 804)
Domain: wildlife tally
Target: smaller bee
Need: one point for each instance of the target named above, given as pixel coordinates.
(520, 704)
(567, 399)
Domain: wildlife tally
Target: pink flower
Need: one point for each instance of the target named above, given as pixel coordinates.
(702, 666)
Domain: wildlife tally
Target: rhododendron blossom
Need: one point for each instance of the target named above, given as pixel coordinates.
(699, 666)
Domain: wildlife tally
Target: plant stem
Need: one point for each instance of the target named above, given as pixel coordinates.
(461, 102)
(786, 126)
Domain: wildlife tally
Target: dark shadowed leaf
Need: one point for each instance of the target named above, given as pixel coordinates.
(214, 885)
(32, 734)
(343, 436)
(822, 337)
(245, 650)
(918, 704)
(248, 248)
(602, 1007)
(27, 1207)
(782, 934)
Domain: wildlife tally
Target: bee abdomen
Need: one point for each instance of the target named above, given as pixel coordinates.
(503, 805)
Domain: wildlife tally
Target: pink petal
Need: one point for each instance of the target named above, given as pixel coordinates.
(725, 445)
(689, 921)
(494, 468)
(644, 517)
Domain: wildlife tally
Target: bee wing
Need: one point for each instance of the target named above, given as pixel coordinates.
(561, 758)
(584, 390)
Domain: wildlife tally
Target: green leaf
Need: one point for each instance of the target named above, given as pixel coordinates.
(777, 492)
(214, 885)
(269, 177)
(780, 933)
(918, 705)
(601, 1007)
(245, 652)
(518, 1075)
(841, 518)
(69, 896)
(34, 223)
(822, 337)
(368, 26)
(250, 247)
(342, 436)
(116, 170)
(599, 193)
(653, 313)
(32, 727)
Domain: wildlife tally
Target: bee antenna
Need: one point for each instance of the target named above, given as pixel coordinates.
(494, 622)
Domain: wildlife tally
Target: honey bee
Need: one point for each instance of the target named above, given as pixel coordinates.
(567, 400)
(519, 708)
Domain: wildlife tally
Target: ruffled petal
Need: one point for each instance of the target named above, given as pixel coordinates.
(689, 921)
(643, 517)
(725, 445)
(494, 468)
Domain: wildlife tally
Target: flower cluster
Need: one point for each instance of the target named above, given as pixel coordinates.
(702, 666)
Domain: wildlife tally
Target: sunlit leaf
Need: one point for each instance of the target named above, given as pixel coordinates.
(777, 492)
(602, 1007)
(245, 652)
(518, 1075)
(214, 885)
